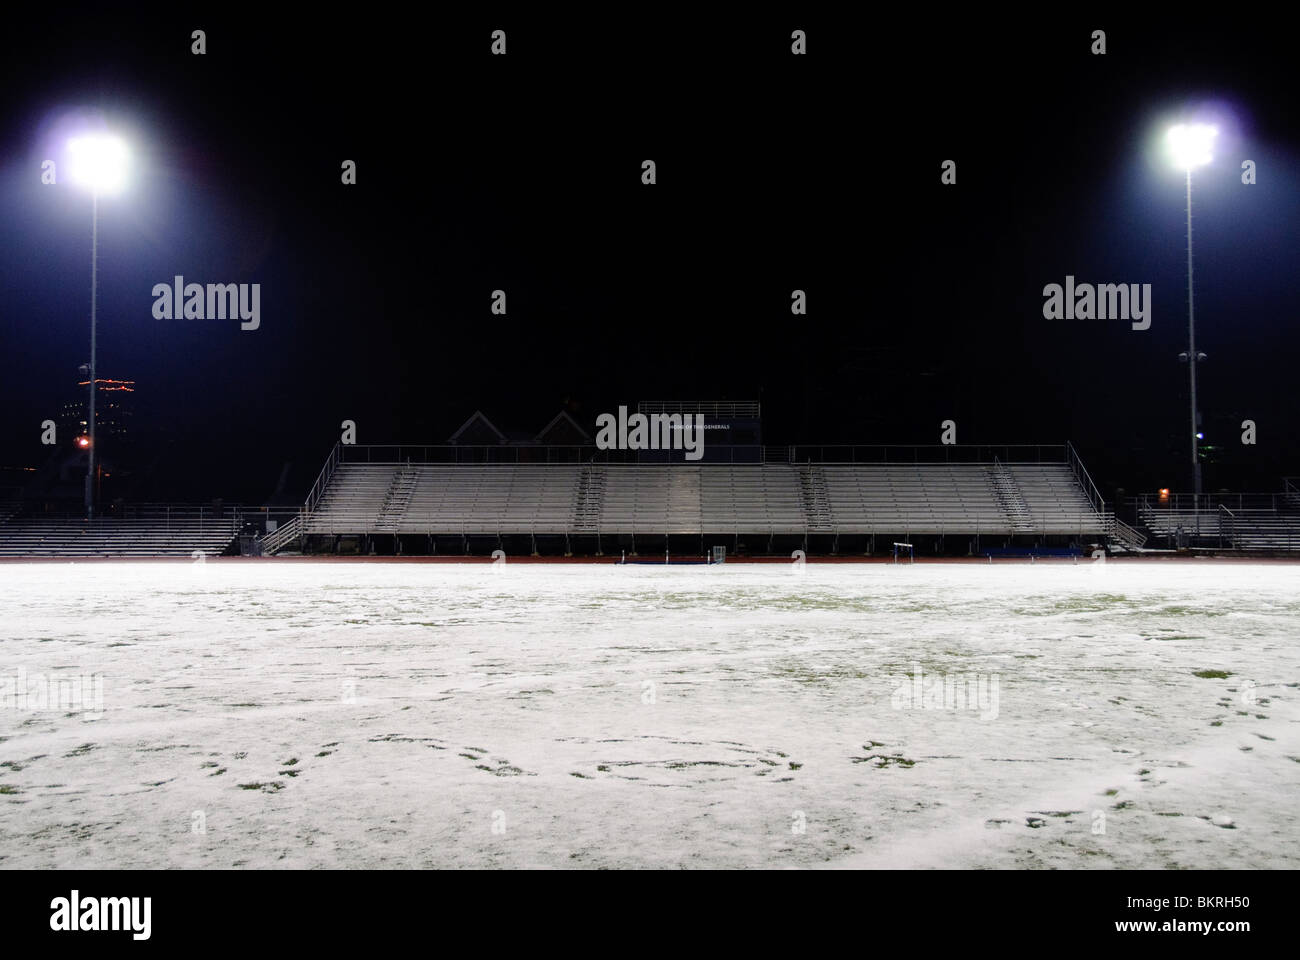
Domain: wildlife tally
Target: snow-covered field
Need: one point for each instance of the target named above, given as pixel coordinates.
(408, 715)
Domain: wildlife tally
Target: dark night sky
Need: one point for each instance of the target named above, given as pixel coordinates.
(775, 172)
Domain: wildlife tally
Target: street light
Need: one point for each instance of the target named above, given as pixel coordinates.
(98, 163)
(1191, 145)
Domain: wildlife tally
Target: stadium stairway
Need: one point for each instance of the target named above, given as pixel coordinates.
(816, 499)
(590, 499)
(1009, 496)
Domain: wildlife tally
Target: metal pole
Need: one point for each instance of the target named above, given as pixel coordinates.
(1191, 356)
(90, 421)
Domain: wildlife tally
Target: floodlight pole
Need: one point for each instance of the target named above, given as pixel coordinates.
(1191, 357)
(90, 421)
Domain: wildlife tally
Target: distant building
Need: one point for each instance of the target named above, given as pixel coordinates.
(114, 411)
(478, 430)
(562, 430)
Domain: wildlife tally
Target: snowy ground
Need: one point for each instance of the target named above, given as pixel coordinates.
(408, 715)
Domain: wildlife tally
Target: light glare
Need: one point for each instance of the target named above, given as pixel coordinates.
(98, 163)
(1190, 144)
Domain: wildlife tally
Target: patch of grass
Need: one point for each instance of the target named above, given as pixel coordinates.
(1213, 674)
(882, 761)
(6, 790)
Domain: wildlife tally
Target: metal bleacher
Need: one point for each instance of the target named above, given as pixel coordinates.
(1261, 522)
(359, 494)
(168, 533)
(465, 499)
(689, 498)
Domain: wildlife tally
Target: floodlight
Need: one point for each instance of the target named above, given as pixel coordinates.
(1190, 144)
(98, 162)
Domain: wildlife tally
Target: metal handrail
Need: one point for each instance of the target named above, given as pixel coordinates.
(282, 535)
(327, 471)
(1085, 479)
(714, 453)
(1208, 502)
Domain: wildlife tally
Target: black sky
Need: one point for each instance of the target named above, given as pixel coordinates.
(775, 172)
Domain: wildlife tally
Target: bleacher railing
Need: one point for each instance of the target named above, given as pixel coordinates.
(1085, 480)
(926, 453)
(224, 514)
(323, 478)
(281, 537)
(715, 409)
(715, 453)
(1209, 502)
(521, 454)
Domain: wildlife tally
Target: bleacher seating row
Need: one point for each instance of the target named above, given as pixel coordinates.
(113, 537)
(1260, 532)
(1170, 523)
(1249, 529)
(447, 498)
(779, 498)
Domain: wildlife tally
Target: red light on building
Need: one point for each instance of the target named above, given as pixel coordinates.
(84, 442)
(1164, 493)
